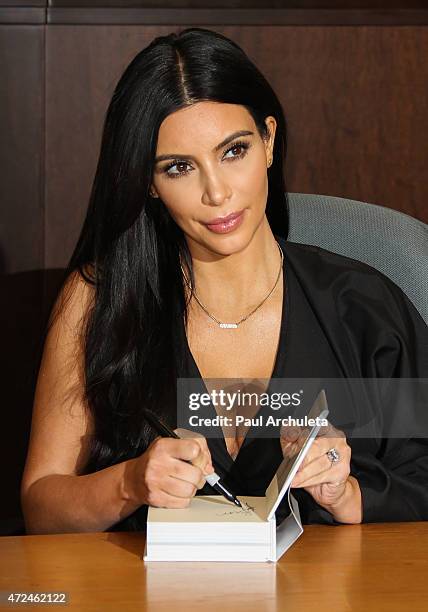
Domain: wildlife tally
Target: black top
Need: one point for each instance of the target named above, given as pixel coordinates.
(340, 319)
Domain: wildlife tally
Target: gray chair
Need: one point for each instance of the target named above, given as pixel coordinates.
(390, 241)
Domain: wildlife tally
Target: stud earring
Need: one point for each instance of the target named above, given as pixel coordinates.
(270, 162)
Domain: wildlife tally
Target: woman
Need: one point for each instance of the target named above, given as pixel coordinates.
(194, 134)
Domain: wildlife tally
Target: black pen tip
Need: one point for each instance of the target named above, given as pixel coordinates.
(237, 502)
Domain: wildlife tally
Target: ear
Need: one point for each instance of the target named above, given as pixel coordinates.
(270, 139)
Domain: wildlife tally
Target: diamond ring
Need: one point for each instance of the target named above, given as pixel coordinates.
(333, 455)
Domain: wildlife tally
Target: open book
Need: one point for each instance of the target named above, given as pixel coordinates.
(214, 529)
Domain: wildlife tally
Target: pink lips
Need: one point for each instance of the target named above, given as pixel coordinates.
(224, 219)
(224, 225)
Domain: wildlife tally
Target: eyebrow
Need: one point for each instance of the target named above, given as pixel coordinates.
(222, 144)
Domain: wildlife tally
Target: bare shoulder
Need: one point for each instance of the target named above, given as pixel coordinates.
(65, 338)
(74, 301)
(61, 422)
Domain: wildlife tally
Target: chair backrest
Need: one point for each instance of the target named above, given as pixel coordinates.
(390, 241)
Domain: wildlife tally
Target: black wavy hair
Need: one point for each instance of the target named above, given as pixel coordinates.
(129, 248)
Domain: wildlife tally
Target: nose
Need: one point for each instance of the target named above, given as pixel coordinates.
(216, 191)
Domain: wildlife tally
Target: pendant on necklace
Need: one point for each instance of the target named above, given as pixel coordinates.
(228, 325)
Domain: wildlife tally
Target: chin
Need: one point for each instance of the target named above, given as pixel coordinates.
(228, 244)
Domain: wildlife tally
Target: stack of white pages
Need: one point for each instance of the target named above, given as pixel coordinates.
(214, 529)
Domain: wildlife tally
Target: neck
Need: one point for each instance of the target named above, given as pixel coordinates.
(229, 285)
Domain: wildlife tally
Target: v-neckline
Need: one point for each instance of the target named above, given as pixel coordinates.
(279, 357)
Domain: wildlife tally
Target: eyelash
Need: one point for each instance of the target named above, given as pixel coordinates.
(244, 145)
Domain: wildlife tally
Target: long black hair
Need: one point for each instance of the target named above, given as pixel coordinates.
(129, 248)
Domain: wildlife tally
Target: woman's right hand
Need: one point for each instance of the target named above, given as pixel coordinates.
(161, 476)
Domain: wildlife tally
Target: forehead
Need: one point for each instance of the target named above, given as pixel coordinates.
(202, 123)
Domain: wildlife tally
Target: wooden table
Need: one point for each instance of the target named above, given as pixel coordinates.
(348, 567)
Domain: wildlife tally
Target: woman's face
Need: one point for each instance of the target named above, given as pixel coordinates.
(204, 170)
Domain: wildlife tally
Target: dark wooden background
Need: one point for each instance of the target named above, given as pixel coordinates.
(352, 80)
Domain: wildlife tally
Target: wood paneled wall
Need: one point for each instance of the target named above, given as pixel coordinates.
(21, 242)
(355, 99)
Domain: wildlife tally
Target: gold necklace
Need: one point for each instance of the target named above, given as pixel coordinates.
(235, 325)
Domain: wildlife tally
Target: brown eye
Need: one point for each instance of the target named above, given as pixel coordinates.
(242, 147)
(236, 147)
(175, 164)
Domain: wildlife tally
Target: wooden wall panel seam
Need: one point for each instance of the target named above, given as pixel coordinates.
(139, 16)
(257, 17)
(43, 162)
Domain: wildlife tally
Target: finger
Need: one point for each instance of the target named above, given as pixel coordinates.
(165, 500)
(312, 471)
(317, 473)
(323, 478)
(320, 448)
(317, 462)
(204, 458)
(187, 450)
(204, 462)
(291, 447)
(185, 471)
(290, 433)
(201, 483)
(178, 488)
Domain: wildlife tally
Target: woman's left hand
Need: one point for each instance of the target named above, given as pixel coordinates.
(329, 483)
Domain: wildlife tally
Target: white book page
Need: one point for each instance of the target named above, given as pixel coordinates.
(212, 509)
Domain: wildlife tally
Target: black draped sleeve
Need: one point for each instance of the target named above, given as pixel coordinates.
(375, 332)
(394, 481)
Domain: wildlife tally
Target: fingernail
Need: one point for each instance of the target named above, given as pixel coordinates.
(291, 433)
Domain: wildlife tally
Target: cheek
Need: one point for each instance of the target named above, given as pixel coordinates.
(252, 177)
(178, 203)
(178, 195)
